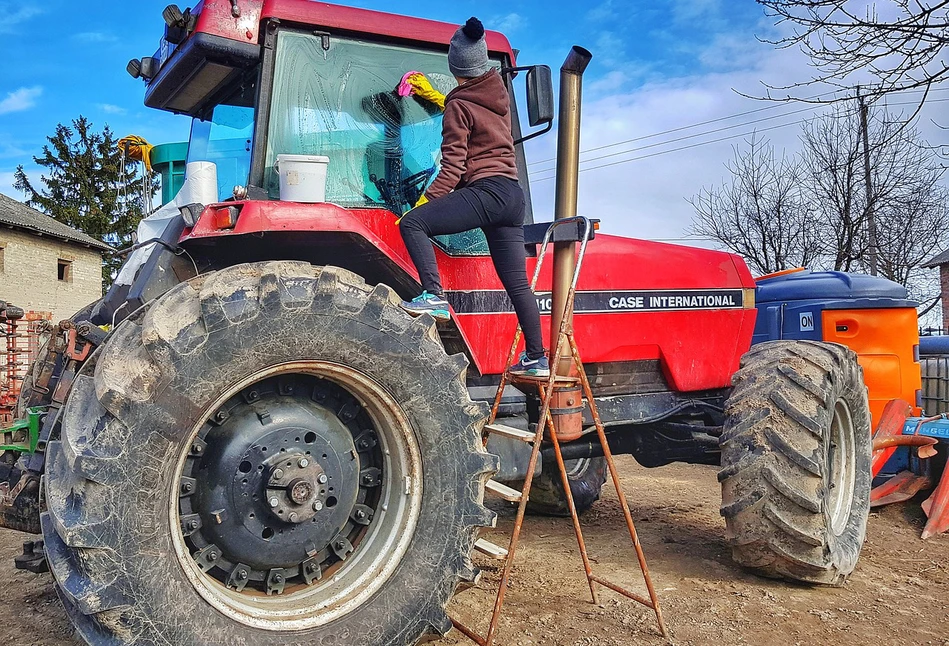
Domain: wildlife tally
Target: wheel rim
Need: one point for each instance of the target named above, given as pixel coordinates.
(296, 496)
(841, 468)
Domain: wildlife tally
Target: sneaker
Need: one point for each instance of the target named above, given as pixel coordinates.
(426, 303)
(539, 367)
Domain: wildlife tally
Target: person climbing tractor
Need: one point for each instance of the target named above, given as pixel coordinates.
(477, 187)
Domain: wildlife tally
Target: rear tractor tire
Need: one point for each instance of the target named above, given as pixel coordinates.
(796, 454)
(271, 454)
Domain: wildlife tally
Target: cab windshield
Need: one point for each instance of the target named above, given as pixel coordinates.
(336, 97)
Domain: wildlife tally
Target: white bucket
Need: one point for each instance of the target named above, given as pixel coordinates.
(302, 177)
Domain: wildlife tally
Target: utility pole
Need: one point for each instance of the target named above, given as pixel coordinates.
(871, 220)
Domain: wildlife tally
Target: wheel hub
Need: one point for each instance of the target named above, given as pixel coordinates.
(280, 485)
(296, 487)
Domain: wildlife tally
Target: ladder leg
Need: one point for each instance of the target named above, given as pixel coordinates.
(516, 533)
(573, 510)
(654, 598)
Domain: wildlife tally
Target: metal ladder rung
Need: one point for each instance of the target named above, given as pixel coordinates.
(490, 549)
(510, 432)
(502, 491)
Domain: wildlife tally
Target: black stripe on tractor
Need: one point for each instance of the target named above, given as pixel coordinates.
(497, 301)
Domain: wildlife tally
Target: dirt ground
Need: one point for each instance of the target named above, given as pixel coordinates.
(899, 593)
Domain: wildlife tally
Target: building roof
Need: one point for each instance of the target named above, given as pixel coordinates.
(935, 261)
(20, 216)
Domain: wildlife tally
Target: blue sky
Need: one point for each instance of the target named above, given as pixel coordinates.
(658, 65)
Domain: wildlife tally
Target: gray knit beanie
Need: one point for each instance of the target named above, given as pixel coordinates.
(468, 51)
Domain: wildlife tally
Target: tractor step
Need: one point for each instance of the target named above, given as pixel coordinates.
(490, 549)
(502, 491)
(510, 432)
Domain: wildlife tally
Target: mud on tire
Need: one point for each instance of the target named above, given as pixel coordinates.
(796, 453)
(113, 481)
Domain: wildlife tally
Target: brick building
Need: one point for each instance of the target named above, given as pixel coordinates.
(44, 264)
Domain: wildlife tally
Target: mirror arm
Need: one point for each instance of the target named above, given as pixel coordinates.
(550, 124)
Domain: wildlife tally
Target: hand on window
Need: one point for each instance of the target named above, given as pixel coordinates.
(416, 83)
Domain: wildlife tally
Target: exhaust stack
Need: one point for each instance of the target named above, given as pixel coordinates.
(568, 168)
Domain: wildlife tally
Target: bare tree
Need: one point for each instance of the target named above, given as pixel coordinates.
(813, 209)
(759, 214)
(899, 43)
(833, 186)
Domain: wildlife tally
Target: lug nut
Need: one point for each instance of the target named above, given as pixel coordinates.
(292, 517)
(278, 473)
(274, 502)
(322, 478)
(304, 463)
(317, 505)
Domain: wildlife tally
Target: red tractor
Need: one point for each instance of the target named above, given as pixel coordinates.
(264, 448)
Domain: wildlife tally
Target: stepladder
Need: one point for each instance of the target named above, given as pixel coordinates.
(564, 352)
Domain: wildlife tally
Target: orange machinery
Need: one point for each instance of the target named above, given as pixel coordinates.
(871, 315)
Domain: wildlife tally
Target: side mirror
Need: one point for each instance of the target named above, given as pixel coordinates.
(540, 95)
(540, 98)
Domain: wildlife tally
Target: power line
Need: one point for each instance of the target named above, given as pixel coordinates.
(711, 121)
(690, 126)
(696, 145)
(693, 136)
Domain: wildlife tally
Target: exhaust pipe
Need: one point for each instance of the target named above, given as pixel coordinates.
(565, 205)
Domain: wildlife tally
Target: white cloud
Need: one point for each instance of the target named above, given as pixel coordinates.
(506, 24)
(109, 108)
(21, 99)
(647, 198)
(95, 37)
(15, 13)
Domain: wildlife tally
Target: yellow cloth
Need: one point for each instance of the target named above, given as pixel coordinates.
(137, 149)
(422, 200)
(422, 87)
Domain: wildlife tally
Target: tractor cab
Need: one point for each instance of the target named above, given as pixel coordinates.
(297, 78)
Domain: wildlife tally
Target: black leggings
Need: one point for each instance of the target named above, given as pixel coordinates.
(496, 206)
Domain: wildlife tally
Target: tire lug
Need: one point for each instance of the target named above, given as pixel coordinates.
(274, 502)
(304, 463)
(278, 473)
(322, 479)
(317, 505)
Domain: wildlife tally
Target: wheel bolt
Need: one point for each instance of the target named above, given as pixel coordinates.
(317, 505)
(278, 473)
(322, 478)
(274, 502)
(304, 463)
(293, 517)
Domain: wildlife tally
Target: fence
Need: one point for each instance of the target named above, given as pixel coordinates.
(24, 333)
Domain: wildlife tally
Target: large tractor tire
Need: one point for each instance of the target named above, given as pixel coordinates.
(796, 454)
(270, 454)
(586, 476)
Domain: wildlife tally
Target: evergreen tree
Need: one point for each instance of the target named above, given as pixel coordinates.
(85, 187)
